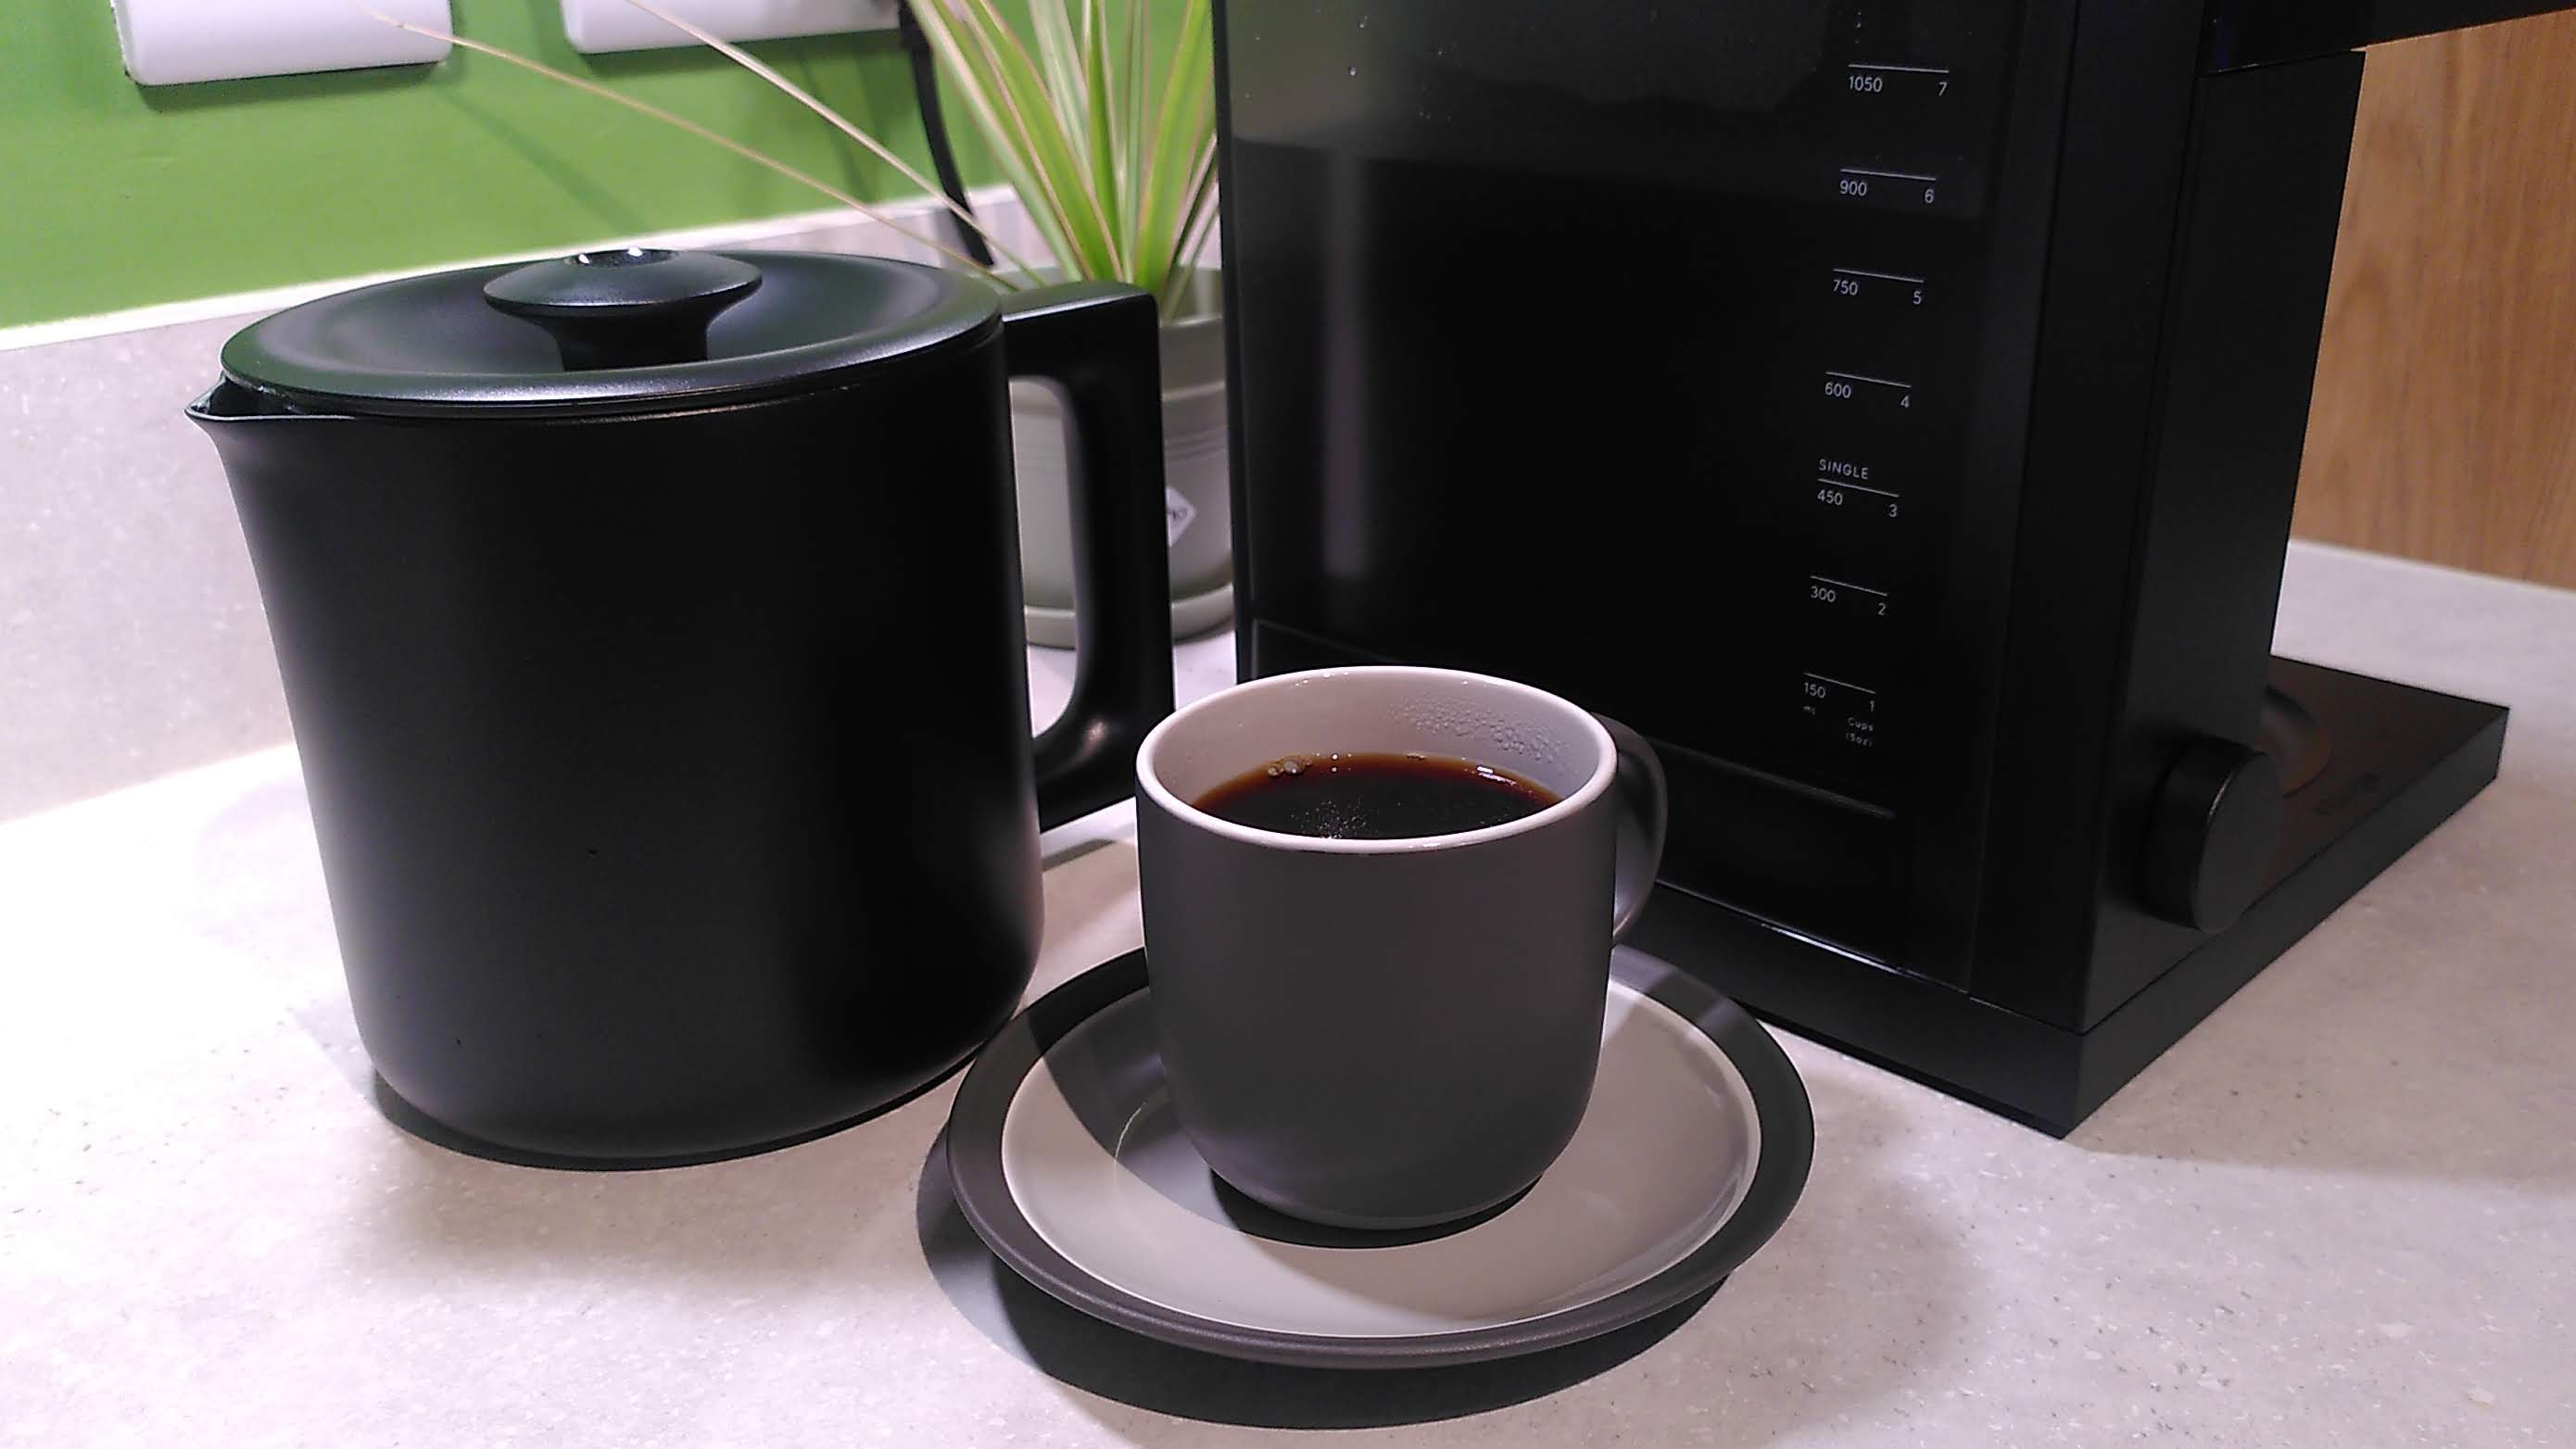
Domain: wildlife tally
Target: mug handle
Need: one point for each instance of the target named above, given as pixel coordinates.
(1642, 812)
(1098, 344)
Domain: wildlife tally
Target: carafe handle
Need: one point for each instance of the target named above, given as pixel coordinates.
(1098, 345)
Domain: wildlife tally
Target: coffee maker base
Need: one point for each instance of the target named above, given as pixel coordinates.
(2402, 760)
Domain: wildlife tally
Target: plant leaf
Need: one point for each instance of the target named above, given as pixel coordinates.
(1185, 251)
(966, 52)
(1051, 152)
(1059, 52)
(840, 123)
(1129, 122)
(1184, 127)
(592, 87)
(1100, 137)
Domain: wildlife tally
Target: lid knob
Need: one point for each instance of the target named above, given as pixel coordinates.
(631, 307)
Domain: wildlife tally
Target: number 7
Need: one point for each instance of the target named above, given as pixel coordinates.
(1945, 89)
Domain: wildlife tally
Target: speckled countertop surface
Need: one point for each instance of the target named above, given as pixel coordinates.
(2341, 1212)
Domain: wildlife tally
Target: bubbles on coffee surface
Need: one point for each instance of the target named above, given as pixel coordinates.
(1374, 796)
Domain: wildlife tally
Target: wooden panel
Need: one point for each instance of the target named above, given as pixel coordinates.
(2444, 426)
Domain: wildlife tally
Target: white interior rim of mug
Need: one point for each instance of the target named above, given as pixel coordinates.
(1496, 722)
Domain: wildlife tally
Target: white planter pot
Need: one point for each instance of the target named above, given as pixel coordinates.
(1197, 518)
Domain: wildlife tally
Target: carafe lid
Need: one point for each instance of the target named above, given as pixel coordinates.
(630, 330)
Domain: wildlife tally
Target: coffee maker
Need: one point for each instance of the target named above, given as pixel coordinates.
(1890, 407)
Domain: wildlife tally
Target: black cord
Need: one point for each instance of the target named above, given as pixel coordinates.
(925, 91)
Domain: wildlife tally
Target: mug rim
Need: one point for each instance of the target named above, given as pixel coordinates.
(1605, 766)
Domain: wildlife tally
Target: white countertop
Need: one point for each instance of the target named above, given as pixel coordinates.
(2342, 1211)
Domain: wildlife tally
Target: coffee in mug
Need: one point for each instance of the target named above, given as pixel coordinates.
(1379, 909)
(1364, 796)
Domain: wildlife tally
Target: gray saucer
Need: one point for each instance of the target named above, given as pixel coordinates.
(1067, 1161)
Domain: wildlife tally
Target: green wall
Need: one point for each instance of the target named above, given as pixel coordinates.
(114, 196)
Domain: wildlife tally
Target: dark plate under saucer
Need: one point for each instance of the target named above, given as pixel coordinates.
(1067, 1161)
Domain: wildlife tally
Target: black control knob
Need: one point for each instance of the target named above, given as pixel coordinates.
(2215, 821)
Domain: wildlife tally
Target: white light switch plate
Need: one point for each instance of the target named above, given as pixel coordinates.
(599, 25)
(177, 42)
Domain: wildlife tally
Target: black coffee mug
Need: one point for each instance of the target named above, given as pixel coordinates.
(1389, 1033)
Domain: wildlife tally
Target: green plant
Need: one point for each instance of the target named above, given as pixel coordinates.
(1113, 155)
